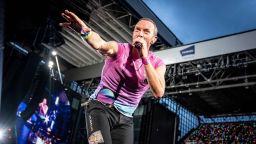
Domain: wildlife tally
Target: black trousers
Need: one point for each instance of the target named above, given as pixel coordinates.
(106, 125)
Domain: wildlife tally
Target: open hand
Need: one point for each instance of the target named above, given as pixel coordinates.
(73, 22)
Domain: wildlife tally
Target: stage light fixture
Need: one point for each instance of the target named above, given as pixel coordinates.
(54, 53)
(197, 85)
(50, 64)
(2, 134)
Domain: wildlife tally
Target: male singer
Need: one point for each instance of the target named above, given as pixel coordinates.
(129, 71)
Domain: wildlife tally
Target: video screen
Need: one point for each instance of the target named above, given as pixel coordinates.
(49, 121)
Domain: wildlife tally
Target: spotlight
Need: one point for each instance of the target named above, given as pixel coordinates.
(50, 64)
(2, 134)
(197, 85)
(54, 53)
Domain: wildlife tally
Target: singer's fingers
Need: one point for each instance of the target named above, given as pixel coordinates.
(66, 11)
(65, 24)
(66, 17)
(73, 21)
(71, 15)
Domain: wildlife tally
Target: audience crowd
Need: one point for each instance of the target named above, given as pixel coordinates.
(226, 133)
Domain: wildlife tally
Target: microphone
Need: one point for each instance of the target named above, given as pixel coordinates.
(138, 45)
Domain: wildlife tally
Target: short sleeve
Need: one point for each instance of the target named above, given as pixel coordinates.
(156, 61)
(121, 49)
(159, 62)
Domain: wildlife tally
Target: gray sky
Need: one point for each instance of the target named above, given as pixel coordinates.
(197, 20)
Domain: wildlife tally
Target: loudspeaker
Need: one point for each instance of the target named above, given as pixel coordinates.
(158, 124)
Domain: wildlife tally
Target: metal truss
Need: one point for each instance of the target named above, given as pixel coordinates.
(226, 71)
(84, 87)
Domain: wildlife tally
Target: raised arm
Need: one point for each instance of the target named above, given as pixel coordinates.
(74, 22)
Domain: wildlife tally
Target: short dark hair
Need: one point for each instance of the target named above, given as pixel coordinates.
(150, 20)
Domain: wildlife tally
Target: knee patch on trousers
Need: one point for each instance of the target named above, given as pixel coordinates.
(95, 138)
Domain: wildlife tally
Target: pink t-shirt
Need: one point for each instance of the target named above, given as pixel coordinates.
(123, 80)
